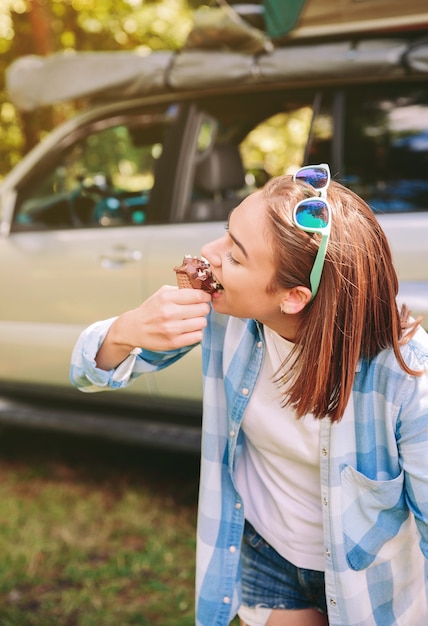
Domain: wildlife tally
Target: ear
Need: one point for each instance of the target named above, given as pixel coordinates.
(294, 300)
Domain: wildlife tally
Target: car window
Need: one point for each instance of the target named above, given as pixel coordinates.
(105, 178)
(252, 138)
(386, 147)
(276, 145)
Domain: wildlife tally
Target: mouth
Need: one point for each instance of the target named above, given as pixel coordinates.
(217, 286)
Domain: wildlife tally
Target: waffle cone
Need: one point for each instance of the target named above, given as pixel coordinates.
(183, 281)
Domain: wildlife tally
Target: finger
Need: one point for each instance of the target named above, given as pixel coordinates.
(189, 325)
(178, 334)
(188, 294)
(189, 311)
(167, 295)
(187, 339)
(186, 290)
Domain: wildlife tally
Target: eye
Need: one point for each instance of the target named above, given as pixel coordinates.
(230, 258)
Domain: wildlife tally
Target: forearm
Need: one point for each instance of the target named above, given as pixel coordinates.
(169, 320)
(115, 347)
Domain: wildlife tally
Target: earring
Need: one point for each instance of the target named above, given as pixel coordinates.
(286, 311)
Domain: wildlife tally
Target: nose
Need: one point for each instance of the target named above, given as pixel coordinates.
(212, 252)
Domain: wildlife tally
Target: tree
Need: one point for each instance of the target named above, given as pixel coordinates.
(40, 19)
(45, 26)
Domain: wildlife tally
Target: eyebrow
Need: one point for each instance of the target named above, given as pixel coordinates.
(239, 244)
(236, 241)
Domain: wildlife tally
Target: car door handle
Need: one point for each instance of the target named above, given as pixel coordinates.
(118, 256)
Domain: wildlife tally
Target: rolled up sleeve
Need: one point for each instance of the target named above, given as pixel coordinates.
(87, 377)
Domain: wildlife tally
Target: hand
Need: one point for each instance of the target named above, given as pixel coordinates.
(171, 318)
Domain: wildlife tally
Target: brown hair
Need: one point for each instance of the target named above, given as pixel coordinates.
(354, 314)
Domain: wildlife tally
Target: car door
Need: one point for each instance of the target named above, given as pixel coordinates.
(77, 247)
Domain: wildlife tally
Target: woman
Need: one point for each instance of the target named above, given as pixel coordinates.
(314, 478)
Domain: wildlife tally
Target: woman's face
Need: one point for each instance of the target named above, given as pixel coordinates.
(242, 261)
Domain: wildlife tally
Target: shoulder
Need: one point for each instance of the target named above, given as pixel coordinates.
(383, 374)
(417, 349)
(414, 353)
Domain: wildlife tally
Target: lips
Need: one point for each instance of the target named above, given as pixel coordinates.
(217, 286)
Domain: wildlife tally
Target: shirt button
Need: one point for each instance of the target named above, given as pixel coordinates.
(327, 552)
(232, 549)
(238, 505)
(333, 602)
(232, 433)
(260, 344)
(325, 501)
(324, 452)
(245, 391)
(226, 600)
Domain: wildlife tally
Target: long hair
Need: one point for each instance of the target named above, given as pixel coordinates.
(354, 314)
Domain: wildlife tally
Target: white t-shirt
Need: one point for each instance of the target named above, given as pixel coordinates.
(278, 474)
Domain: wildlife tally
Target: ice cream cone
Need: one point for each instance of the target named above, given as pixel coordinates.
(183, 281)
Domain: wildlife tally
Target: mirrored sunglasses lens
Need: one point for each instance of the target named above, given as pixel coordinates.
(312, 214)
(315, 176)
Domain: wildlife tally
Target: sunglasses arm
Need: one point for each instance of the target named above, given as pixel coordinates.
(316, 272)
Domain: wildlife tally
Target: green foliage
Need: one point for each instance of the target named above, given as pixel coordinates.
(95, 24)
(43, 27)
(278, 142)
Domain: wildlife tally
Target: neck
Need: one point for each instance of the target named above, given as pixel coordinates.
(286, 326)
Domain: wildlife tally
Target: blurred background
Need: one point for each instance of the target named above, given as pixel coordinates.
(43, 27)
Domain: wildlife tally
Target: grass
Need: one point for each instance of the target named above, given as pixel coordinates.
(95, 534)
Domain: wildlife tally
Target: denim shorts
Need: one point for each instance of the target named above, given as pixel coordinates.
(269, 580)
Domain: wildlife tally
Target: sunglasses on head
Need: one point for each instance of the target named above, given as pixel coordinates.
(313, 215)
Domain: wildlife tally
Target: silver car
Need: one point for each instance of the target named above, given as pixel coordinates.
(93, 220)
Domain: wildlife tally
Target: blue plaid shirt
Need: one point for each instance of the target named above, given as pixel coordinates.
(374, 475)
